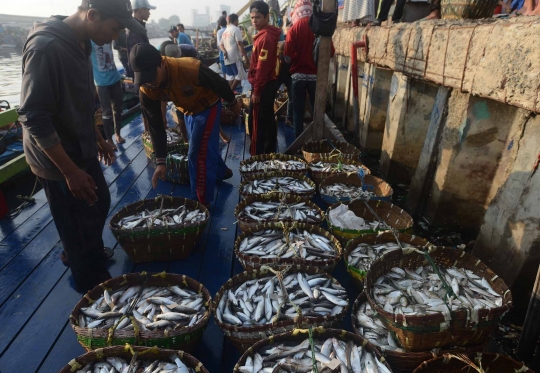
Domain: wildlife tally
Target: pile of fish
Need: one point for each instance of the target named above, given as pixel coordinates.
(153, 308)
(334, 167)
(364, 255)
(277, 211)
(421, 291)
(263, 301)
(273, 165)
(330, 354)
(120, 365)
(349, 191)
(161, 218)
(374, 330)
(179, 157)
(172, 137)
(274, 244)
(281, 184)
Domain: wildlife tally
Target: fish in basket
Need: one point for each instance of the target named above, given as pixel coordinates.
(163, 309)
(272, 208)
(436, 298)
(164, 228)
(177, 167)
(133, 359)
(279, 245)
(347, 187)
(335, 164)
(272, 162)
(260, 303)
(278, 182)
(362, 251)
(366, 323)
(350, 220)
(175, 143)
(472, 362)
(303, 350)
(315, 151)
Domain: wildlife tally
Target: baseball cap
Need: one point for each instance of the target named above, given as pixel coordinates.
(138, 4)
(120, 10)
(144, 60)
(173, 28)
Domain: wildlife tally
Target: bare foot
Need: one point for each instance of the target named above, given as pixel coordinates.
(436, 14)
(527, 7)
(535, 11)
(119, 139)
(111, 143)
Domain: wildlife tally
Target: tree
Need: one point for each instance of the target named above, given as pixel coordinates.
(174, 20)
(164, 23)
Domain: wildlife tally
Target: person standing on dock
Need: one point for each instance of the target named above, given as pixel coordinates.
(196, 91)
(263, 71)
(232, 47)
(141, 12)
(61, 142)
(182, 38)
(120, 45)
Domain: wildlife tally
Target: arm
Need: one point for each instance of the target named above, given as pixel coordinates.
(290, 45)
(240, 43)
(222, 47)
(211, 80)
(164, 113)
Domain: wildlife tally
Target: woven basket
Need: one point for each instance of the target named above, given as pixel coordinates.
(184, 338)
(127, 352)
(381, 188)
(250, 262)
(405, 362)
(490, 363)
(358, 275)
(467, 9)
(422, 333)
(158, 243)
(300, 335)
(304, 195)
(245, 223)
(268, 157)
(319, 176)
(171, 146)
(391, 214)
(245, 337)
(314, 151)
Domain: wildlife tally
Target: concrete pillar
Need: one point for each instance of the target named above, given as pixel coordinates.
(407, 121)
(342, 65)
(374, 97)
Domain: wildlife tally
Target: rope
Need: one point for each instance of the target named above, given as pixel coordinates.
(311, 343)
(279, 276)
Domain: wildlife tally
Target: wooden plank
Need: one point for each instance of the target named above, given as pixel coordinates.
(13, 168)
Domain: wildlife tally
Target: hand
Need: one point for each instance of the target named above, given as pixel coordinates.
(106, 153)
(82, 186)
(255, 99)
(225, 55)
(159, 173)
(237, 108)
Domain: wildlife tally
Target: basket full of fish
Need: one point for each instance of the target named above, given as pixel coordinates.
(132, 359)
(177, 167)
(331, 350)
(164, 310)
(472, 362)
(278, 183)
(336, 164)
(366, 323)
(315, 151)
(350, 220)
(347, 187)
(361, 252)
(436, 298)
(164, 228)
(174, 143)
(272, 162)
(260, 303)
(278, 245)
(273, 208)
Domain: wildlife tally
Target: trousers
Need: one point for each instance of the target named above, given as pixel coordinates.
(262, 121)
(110, 98)
(299, 90)
(80, 227)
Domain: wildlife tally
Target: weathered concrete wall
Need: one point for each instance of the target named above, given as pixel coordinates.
(407, 122)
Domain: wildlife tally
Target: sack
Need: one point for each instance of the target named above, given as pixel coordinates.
(323, 24)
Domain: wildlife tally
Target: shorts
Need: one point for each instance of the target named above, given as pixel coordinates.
(236, 71)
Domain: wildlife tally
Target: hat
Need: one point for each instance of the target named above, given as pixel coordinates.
(302, 9)
(118, 9)
(173, 28)
(144, 60)
(138, 4)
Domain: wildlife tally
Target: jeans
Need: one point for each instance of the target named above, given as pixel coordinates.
(385, 9)
(111, 100)
(262, 121)
(80, 227)
(299, 89)
(124, 63)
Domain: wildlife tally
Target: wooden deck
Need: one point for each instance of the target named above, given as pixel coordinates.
(36, 290)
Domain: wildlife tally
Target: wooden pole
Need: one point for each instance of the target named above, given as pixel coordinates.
(531, 328)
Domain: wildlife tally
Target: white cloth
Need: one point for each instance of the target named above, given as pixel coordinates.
(231, 36)
(364, 10)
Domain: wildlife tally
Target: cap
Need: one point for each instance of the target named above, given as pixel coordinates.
(144, 60)
(120, 10)
(138, 4)
(173, 28)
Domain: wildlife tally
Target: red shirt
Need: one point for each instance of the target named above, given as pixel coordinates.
(299, 47)
(264, 66)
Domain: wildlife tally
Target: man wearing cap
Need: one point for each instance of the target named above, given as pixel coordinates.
(141, 13)
(196, 91)
(173, 34)
(182, 38)
(60, 140)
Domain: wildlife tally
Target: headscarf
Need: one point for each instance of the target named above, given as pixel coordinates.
(302, 9)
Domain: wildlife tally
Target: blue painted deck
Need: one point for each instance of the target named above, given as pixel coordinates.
(36, 290)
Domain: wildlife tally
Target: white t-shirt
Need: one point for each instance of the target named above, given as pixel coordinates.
(230, 37)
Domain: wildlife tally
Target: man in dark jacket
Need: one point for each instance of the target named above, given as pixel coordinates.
(121, 46)
(61, 143)
(141, 12)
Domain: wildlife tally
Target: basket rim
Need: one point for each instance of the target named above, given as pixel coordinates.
(337, 144)
(496, 356)
(271, 156)
(267, 175)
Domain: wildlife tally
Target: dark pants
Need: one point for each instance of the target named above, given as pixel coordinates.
(124, 61)
(262, 121)
(385, 9)
(80, 227)
(300, 88)
(111, 100)
(285, 78)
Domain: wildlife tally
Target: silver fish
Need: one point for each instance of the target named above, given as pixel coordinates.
(333, 167)
(277, 184)
(346, 191)
(363, 255)
(278, 211)
(273, 165)
(119, 365)
(161, 218)
(374, 330)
